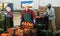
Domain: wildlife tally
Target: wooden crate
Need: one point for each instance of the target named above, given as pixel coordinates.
(31, 32)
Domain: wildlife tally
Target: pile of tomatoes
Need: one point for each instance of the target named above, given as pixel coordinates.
(27, 25)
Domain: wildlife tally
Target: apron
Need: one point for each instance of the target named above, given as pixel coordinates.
(27, 17)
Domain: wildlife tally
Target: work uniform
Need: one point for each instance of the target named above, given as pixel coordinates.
(51, 18)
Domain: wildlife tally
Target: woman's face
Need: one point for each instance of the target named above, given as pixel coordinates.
(26, 7)
(8, 9)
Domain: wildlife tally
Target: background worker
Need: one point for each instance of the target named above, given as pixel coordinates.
(51, 17)
(9, 17)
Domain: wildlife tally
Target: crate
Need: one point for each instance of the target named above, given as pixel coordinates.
(31, 32)
(26, 32)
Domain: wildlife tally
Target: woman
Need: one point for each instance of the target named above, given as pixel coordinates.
(28, 15)
(9, 17)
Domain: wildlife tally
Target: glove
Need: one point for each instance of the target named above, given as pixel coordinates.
(8, 15)
(46, 15)
(20, 20)
(34, 21)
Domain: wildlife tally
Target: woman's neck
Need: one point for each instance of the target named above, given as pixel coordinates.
(27, 9)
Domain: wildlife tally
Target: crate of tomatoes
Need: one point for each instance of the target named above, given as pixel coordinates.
(27, 25)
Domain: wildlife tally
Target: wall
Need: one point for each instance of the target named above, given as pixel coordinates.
(36, 3)
(56, 3)
(57, 10)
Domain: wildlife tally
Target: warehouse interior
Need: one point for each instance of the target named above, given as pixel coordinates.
(38, 7)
